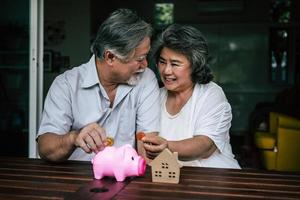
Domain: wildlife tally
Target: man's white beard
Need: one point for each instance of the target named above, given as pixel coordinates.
(134, 79)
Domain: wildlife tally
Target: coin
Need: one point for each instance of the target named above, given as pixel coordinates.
(109, 141)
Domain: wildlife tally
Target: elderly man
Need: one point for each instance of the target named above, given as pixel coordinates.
(113, 95)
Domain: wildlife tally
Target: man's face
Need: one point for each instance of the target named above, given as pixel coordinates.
(129, 71)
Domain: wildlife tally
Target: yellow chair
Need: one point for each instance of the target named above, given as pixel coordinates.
(280, 147)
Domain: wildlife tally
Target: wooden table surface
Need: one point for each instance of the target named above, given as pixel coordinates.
(22, 178)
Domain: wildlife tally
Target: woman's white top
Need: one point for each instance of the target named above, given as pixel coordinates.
(208, 113)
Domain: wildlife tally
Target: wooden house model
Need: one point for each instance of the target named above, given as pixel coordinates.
(165, 167)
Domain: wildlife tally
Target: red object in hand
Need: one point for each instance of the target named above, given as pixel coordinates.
(140, 135)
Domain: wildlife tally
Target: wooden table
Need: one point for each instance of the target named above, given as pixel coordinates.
(22, 178)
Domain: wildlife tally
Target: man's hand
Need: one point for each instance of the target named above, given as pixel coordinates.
(92, 138)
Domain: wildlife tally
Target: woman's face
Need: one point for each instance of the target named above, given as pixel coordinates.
(175, 70)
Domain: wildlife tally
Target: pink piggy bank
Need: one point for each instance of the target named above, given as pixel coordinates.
(118, 162)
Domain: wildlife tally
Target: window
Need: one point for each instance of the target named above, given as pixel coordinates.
(163, 14)
(280, 49)
(279, 55)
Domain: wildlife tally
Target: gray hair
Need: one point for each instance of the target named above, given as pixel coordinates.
(120, 33)
(190, 42)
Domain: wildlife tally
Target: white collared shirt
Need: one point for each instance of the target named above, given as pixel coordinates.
(77, 98)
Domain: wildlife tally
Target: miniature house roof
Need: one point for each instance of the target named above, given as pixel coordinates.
(167, 155)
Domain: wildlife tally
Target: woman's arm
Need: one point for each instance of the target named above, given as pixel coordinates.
(193, 148)
(189, 149)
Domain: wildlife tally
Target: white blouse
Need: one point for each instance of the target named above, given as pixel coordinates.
(207, 113)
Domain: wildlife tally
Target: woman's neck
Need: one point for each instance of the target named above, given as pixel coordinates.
(176, 100)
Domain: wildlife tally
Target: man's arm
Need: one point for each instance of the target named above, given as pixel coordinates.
(58, 148)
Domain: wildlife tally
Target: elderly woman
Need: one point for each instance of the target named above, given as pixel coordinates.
(195, 114)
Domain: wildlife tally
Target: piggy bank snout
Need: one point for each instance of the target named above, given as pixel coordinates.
(141, 166)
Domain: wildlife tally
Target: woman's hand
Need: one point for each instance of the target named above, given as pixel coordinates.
(154, 145)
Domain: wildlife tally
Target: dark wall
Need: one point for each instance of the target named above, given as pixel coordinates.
(238, 36)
